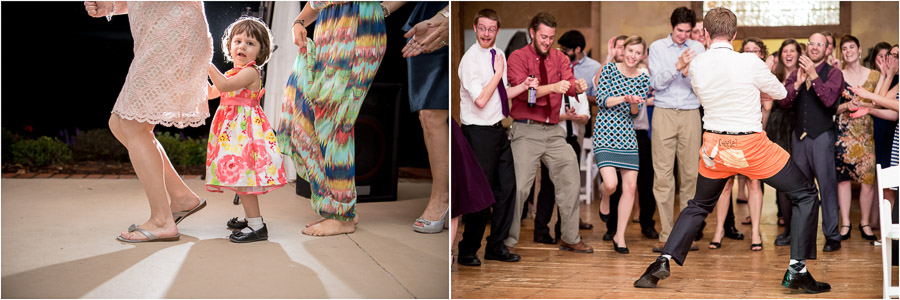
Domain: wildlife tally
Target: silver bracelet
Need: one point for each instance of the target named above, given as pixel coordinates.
(111, 13)
(385, 10)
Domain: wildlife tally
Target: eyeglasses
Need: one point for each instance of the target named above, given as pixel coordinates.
(564, 49)
(488, 30)
(817, 44)
(751, 51)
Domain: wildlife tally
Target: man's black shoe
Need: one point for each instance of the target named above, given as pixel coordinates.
(506, 257)
(650, 233)
(542, 238)
(608, 236)
(734, 234)
(783, 240)
(805, 282)
(468, 260)
(657, 271)
(831, 245)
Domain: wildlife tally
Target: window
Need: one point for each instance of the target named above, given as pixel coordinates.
(781, 13)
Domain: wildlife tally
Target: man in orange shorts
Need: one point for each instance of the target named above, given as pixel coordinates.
(734, 143)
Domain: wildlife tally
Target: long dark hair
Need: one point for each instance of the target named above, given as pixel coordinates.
(779, 68)
(870, 60)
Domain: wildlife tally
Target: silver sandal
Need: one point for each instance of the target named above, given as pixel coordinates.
(150, 236)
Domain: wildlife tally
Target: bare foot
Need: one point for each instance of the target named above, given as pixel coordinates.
(315, 222)
(355, 221)
(162, 232)
(330, 227)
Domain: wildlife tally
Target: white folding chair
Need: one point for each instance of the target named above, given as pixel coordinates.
(587, 160)
(888, 178)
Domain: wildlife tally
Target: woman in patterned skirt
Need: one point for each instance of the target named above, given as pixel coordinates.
(335, 72)
(620, 87)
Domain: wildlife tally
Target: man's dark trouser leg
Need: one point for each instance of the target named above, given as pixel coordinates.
(546, 202)
(688, 221)
(491, 148)
(645, 181)
(804, 209)
(613, 220)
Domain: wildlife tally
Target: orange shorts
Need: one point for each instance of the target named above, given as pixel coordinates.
(753, 155)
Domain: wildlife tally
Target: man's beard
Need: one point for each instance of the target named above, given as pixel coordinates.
(571, 57)
(538, 49)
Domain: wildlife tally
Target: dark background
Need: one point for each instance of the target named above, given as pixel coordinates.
(62, 70)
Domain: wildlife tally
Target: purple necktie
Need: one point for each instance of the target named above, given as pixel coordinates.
(500, 88)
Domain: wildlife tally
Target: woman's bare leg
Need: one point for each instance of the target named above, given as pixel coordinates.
(147, 158)
(626, 202)
(844, 197)
(722, 210)
(755, 204)
(435, 128)
(866, 195)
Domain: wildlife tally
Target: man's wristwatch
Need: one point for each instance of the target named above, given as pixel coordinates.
(445, 13)
(299, 21)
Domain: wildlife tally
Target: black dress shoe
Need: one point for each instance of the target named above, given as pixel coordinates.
(783, 240)
(805, 282)
(585, 225)
(261, 234)
(234, 223)
(845, 237)
(468, 260)
(657, 271)
(505, 257)
(831, 245)
(870, 237)
(734, 234)
(604, 218)
(608, 236)
(542, 238)
(650, 233)
(620, 250)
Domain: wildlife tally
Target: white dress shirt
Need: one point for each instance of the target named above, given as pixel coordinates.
(582, 108)
(475, 72)
(728, 83)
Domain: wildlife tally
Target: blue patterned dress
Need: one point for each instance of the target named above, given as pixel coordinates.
(615, 143)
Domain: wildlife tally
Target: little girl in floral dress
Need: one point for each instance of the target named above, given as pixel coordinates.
(242, 154)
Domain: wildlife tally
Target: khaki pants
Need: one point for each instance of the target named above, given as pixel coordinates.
(676, 134)
(530, 144)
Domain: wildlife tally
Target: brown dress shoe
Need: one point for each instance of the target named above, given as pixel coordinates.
(658, 247)
(581, 247)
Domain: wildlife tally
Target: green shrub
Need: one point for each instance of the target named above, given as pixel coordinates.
(7, 140)
(98, 144)
(183, 152)
(40, 152)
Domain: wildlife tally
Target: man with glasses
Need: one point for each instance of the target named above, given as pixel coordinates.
(813, 92)
(484, 103)
(572, 44)
(535, 135)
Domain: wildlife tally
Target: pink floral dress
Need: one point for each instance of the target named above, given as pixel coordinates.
(242, 154)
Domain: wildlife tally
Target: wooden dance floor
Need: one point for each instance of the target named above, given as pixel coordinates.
(730, 272)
